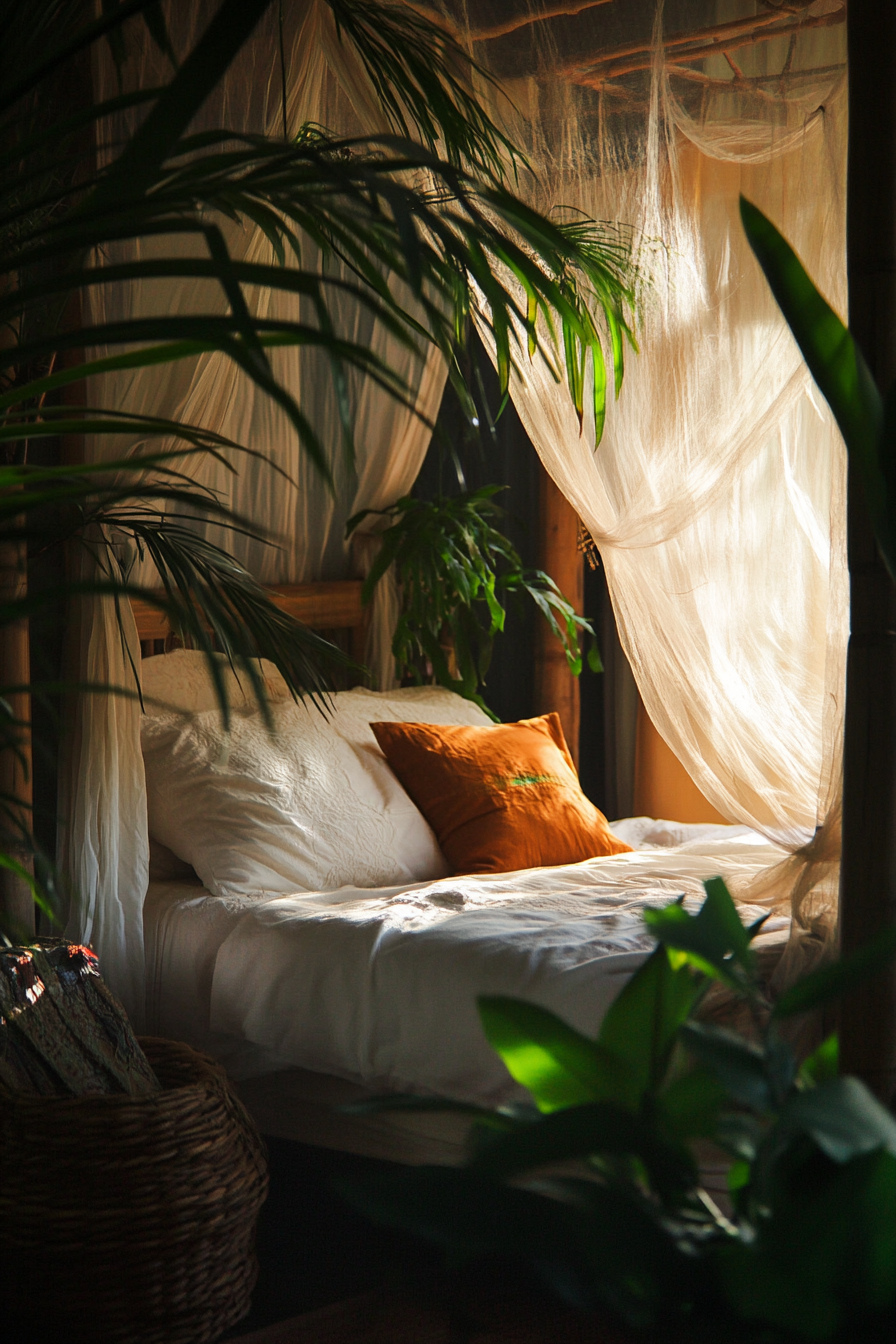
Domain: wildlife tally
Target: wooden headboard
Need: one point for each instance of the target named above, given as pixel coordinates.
(331, 605)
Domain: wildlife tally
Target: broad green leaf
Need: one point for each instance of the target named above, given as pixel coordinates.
(691, 1104)
(711, 940)
(601, 1128)
(738, 1176)
(737, 1064)
(843, 1118)
(642, 1023)
(829, 982)
(740, 1134)
(558, 1065)
(823, 1064)
(823, 1262)
(837, 365)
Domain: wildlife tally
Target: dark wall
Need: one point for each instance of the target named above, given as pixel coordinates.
(46, 570)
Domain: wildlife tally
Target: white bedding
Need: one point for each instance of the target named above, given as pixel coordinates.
(310, 807)
(379, 986)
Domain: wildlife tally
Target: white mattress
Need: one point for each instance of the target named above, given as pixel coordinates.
(379, 986)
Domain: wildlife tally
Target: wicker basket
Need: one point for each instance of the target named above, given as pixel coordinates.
(131, 1219)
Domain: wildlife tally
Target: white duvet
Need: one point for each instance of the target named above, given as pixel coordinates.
(380, 986)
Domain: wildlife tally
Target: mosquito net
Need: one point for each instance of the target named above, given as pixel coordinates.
(716, 496)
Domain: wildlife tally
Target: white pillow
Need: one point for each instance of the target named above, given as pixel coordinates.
(181, 680)
(311, 808)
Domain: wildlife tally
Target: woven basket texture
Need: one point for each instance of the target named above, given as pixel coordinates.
(131, 1218)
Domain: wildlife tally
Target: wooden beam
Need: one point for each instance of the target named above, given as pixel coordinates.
(556, 689)
(868, 873)
(328, 605)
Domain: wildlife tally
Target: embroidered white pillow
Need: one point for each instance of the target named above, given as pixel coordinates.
(181, 680)
(312, 807)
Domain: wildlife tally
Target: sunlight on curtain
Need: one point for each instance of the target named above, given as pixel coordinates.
(105, 847)
(717, 496)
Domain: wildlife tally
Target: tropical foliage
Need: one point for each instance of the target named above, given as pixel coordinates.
(457, 572)
(866, 419)
(429, 206)
(806, 1249)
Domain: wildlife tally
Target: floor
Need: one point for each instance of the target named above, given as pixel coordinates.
(313, 1250)
(328, 1276)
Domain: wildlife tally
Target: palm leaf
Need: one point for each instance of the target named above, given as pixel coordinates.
(838, 367)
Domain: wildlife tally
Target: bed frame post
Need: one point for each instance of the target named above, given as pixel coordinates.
(868, 873)
(555, 686)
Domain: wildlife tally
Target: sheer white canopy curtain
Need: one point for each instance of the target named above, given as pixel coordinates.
(717, 495)
(102, 797)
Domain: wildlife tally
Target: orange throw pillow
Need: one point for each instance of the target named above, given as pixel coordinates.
(498, 798)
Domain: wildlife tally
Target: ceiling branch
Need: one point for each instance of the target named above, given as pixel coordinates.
(734, 28)
(738, 73)
(713, 82)
(694, 46)
(556, 11)
(560, 9)
(757, 81)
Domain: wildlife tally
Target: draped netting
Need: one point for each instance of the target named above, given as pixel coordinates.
(105, 843)
(717, 495)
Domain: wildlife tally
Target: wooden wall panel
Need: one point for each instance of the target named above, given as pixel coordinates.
(663, 788)
(555, 686)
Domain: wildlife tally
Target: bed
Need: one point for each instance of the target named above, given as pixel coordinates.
(302, 924)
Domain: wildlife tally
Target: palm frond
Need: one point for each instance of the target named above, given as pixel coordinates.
(423, 79)
(417, 226)
(361, 201)
(387, 208)
(143, 509)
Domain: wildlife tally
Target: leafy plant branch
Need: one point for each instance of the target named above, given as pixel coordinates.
(457, 572)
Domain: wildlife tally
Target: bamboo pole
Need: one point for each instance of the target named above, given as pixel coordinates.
(556, 689)
(868, 874)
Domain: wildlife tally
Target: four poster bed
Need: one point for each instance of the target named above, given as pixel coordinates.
(716, 500)
(309, 934)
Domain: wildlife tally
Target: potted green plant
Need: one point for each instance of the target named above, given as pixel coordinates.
(805, 1250)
